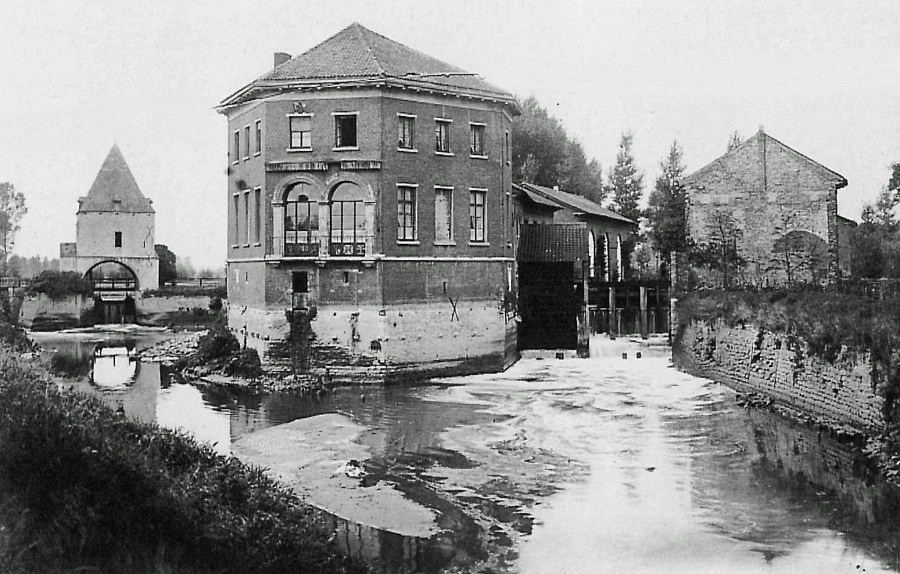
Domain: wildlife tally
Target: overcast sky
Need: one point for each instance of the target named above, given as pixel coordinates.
(75, 77)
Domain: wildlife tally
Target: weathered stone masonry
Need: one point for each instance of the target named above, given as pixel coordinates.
(779, 366)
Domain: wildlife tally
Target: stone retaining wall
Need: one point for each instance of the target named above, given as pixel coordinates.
(779, 366)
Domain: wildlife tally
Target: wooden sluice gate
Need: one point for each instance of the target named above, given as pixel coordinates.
(629, 307)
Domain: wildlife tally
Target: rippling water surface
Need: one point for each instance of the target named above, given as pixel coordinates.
(598, 465)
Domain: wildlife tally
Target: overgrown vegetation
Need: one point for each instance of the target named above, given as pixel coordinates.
(832, 322)
(219, 350)
(59, 284)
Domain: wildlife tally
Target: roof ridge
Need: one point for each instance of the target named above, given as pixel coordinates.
(806, 157)
(362, 33)
(754, 138)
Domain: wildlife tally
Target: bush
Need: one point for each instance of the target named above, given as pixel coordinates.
(215, 304)
(219, 342)
(59, 284)
(85, 488)
(244, 364)
(11, 333)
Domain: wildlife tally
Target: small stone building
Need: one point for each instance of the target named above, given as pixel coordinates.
(776, 206)
(115, 225)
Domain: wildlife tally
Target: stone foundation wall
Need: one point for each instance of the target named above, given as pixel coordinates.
(779, 366)
(40, 313)
(373, 344)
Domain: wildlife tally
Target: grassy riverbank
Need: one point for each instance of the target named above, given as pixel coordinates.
(85, 488)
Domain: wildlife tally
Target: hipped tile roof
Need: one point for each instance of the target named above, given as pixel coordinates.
(115, 189)
(357, 56)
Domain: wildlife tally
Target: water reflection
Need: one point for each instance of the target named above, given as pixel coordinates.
(596, 465)
(113, 367)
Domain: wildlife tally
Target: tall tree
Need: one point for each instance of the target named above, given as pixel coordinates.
(894, 182)
(734, 140)
(12, 210)
(626, 183)
(544, 154)
(539, 145)
(665, 210)
(167, 264)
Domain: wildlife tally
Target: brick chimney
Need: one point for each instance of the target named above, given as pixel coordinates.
(281, 57)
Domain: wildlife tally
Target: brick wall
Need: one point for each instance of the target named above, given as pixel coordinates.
(752, 360)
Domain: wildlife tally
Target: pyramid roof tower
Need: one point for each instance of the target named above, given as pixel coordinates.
(357, 57)
(115, 189)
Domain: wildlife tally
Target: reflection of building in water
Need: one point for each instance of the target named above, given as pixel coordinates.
(392, 552)
(113, 368)
(136, 396)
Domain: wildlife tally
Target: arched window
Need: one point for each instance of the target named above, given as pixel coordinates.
(592, 253)
(348, 220)
(619, 271)
(605, 258)
(301, 221)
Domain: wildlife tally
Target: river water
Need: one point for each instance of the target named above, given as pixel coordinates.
(607, 464)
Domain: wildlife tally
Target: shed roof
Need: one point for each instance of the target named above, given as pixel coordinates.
(577, 203)
(115, 188)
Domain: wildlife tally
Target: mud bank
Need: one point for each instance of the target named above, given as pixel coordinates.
(311, 457)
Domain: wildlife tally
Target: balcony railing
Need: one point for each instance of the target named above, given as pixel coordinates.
(278, 247)
(347, 249)
(301, 249)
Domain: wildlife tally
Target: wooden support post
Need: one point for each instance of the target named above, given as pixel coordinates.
(613, 315)
(643, 312)
(584, 330)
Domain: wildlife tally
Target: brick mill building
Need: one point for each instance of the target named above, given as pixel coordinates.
(777, 206)
(369, 203)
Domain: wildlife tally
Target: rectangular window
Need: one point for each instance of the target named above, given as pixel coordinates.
(345, 130)
(442, 136)
(237, 146)
(257, 209)
(247, 142)
(118, 239)
(507, 148)
(258, 136)
(406, 212)
(301, 132)
(405, 132)
(237, 218)
(443, 214)
(247, 217)
(477, 143)
(476, 216)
